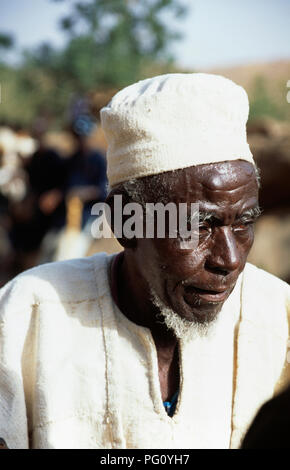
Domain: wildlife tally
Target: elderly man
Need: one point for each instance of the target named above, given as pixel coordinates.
(168, 344)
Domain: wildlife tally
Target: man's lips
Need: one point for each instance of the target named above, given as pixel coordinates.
(209, 295)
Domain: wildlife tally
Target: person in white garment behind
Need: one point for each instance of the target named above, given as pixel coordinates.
(165, 345)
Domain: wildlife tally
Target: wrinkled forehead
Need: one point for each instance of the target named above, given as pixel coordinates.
(199, 182)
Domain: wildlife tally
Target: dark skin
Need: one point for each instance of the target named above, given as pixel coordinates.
(193, 282)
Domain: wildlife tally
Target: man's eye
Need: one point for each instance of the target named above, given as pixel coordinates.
(204, 227)
(204, 230)
(242, 227)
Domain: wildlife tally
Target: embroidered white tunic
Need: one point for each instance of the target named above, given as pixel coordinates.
(76, 373)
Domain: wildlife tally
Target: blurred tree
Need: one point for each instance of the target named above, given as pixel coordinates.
(262, 104)
(6, 41)
(109, 41)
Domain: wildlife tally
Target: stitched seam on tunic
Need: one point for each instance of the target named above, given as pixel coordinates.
(235, 361)
(57, 301)
(150, 366)
(65, 418)
(63, 301)
(107, 413)
(117, 438)
(35, 312)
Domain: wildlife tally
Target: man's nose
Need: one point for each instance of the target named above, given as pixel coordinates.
(224, 256)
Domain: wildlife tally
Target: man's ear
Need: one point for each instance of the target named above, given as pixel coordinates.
(125, 199)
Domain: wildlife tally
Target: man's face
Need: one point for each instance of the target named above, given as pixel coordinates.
(195, 282)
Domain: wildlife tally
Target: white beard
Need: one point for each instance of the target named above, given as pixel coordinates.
(182, 328)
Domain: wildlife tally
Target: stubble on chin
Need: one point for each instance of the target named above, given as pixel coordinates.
(184, 329)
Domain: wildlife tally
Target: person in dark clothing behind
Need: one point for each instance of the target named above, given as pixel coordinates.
(271, 427)
(86, 174)
(43, 207)
(47, 178)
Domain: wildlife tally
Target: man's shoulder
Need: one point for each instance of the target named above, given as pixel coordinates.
(71, 280)
(264, 281)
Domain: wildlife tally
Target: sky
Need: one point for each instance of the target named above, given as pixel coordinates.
(217, 33)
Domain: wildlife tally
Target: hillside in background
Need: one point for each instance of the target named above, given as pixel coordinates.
(266, 85)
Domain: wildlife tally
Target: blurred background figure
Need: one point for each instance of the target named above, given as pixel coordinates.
(86, 167)
(42, 207)
(85, 184)
(54, 80)
(15, 150)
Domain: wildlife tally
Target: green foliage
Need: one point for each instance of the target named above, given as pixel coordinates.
(111, 40)
(6, 41)
(15, 106)
(262, 104)
(109, 45)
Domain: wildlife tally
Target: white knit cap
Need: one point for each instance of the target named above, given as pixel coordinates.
(174, 121)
